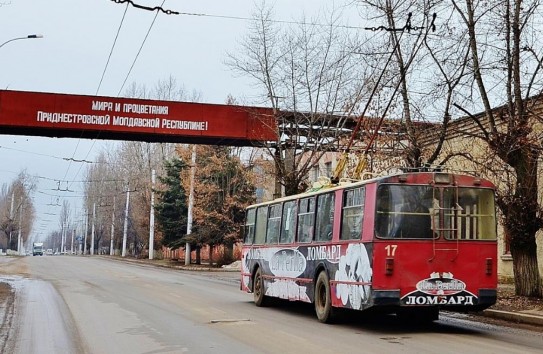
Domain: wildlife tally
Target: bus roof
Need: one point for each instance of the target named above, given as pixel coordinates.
(442, 178)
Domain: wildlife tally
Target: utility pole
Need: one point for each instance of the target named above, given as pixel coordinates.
(11, 218)
(20, 227)
(92, 228)
(86, 231)
(152, 218)
(191, 203)
(125, 231)
(111, 251)
(62, 237)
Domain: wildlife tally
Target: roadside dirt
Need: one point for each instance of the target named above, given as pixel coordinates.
(9, 267)
(7, 307)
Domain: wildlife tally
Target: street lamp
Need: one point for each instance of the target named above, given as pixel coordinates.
(30, 36)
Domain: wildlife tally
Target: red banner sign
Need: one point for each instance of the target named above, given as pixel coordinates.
(62, 115)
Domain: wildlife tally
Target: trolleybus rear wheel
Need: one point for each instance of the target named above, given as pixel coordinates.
(258, 289)
(323, 299)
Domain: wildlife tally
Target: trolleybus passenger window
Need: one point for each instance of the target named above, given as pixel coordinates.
(274, 224)
(325, 217)
(250, 226)
(260, 225)
(288, 226)
(353, 214)
(306, 219)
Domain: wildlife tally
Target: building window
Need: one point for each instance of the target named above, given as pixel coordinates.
(328, 167)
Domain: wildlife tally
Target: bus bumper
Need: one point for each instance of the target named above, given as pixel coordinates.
(386, 297)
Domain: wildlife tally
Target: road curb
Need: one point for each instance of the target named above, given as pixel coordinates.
(515, 317)
(173, 266)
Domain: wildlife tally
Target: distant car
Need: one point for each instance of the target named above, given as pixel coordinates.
(49, 252)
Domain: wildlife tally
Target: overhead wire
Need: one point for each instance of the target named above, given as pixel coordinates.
(112, 48)
(99, 86)
(139, 51)
(169, 12)
(241, 18)
(129, 71)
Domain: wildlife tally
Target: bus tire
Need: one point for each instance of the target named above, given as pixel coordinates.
(323, 299)
(260, 299)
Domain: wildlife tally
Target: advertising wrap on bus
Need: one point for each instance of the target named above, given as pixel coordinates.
(414, 242)
(293, 269)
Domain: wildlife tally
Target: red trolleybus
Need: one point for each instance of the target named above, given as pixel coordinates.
(409, 244)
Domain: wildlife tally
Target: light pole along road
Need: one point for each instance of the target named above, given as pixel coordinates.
(98, 305)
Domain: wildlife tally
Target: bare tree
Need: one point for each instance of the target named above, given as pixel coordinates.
(17, 210)
(506, 62)
(128, 166)
(64, 224)
(313, 80)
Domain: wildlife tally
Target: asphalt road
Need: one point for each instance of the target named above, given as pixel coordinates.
(95, 305)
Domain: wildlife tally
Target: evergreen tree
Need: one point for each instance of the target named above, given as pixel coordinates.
(171, 209)
(223, 189)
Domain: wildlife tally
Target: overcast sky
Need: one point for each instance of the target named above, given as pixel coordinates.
(78, 36)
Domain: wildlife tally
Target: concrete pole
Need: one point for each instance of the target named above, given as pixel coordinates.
(62, 238)
(20, 227)
(11, 217)
(125, 231)
(191, 203)
(152, 217)
(92, 228)
(111, 251)
(72, 245)
(86, 231)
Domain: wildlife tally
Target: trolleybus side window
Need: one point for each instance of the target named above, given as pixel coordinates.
(274, 224)
(469, 214)
(260, 225)
(288, 227)
(250, 226)
(353, 214)
(306, 219)
(325, 217)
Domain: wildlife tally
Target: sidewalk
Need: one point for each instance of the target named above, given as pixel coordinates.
(529, 316)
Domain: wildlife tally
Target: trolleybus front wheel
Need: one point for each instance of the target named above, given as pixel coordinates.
(258, 290)
(323, 300)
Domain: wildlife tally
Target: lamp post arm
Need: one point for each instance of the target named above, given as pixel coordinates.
(30, 36)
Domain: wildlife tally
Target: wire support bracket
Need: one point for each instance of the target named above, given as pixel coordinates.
(147, 8)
